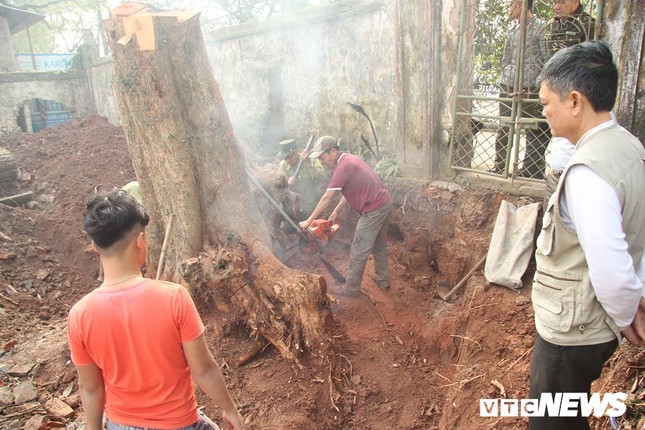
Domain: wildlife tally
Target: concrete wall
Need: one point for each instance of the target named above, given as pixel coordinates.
(102, 82)
(68, 88)
(84, 91)
(291, 76)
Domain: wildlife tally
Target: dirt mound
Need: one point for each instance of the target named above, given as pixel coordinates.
(409, 359)
(62, 166)
(45, 261)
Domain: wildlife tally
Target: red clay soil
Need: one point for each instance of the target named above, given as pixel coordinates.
(409, 359)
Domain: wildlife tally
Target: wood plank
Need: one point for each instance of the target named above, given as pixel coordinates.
(17, 199)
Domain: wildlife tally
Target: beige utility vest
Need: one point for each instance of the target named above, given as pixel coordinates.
(567, 311)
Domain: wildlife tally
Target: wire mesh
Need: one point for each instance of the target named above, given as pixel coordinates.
(498, 126)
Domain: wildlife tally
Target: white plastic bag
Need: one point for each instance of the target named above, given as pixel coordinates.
(511, 245)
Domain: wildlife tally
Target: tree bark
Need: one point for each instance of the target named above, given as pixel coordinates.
(189, 164)
(8, 168)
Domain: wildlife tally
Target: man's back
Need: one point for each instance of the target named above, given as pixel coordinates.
(134, 334)
(360, 185)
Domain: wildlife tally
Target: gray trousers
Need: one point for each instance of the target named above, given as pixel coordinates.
(370, 236)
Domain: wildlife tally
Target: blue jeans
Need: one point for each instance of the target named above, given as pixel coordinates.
(203, 423)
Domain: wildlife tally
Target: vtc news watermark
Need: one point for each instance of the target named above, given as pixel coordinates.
(556, 405)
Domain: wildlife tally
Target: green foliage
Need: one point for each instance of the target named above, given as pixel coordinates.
(387, 167)
(543, 9)
(41, 40)
(61, 30)
(491, 27)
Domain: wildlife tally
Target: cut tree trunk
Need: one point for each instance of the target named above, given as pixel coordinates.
(8, 168)
(189, 164)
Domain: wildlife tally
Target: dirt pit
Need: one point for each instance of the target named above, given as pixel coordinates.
(409, 359)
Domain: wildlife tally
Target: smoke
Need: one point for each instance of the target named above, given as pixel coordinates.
(291, 76)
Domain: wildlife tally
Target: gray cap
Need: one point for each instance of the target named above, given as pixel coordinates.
(323, 144)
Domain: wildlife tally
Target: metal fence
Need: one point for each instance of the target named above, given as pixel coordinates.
(498, 128)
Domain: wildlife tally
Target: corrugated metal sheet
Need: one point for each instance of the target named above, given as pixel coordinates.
(19, 19)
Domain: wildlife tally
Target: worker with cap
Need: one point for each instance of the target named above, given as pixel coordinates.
(134, 190)
(309, 184)
(363, 190)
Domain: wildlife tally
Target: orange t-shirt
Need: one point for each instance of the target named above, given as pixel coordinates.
(134, 335)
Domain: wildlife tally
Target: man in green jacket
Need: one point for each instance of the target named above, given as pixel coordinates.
(310, 182)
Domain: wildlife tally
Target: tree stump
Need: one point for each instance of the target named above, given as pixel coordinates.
(188, 163)
(8, 167)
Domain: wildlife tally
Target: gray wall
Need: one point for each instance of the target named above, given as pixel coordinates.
(102, 82)
(291, 76)
(84, 92)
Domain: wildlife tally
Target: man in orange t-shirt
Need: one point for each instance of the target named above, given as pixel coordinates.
(136, 342)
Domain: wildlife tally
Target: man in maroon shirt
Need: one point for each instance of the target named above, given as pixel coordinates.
(364, 191)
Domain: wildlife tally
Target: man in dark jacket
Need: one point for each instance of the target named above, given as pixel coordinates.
(570, 25)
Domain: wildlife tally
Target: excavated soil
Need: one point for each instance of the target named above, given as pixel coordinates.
(409, 359)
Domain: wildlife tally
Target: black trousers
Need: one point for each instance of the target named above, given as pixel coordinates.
(565, 369)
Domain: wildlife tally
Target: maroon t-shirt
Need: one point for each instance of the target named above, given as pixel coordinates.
(360, 185)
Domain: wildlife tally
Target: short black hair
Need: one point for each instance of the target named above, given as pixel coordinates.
(110, 215)
(587, 67)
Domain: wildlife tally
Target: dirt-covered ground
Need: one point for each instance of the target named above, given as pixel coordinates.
(409, 359)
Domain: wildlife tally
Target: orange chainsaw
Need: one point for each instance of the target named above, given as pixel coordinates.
(312, 239)
(317, 235)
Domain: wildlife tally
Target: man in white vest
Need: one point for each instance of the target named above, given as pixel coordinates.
(589, 282)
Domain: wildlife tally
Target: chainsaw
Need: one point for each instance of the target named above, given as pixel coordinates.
(311, 240)
(317, 235)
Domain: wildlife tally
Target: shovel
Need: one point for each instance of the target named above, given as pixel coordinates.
(446, 296)
(297, 172)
